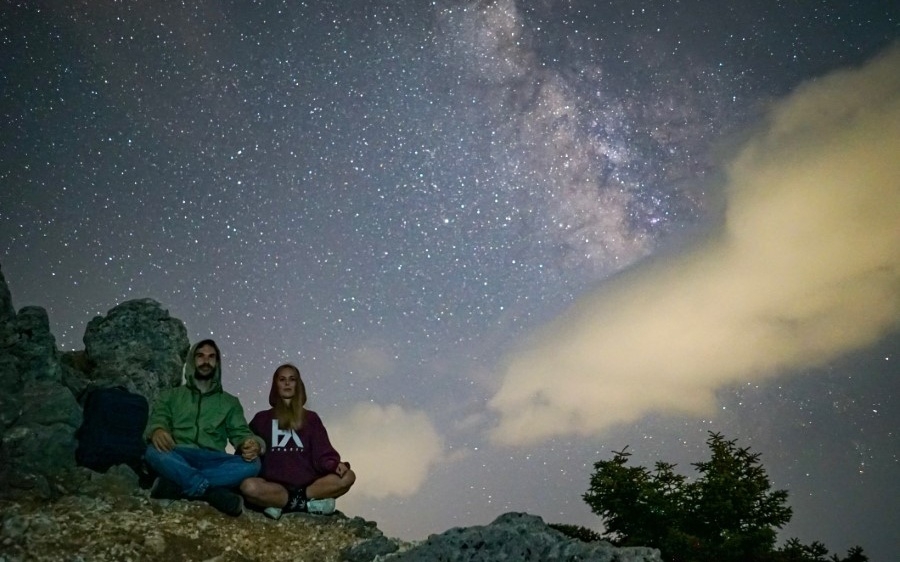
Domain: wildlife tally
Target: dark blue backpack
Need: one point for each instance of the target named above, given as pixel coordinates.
(113, 430)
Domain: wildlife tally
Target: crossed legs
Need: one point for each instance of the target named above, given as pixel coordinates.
(271, 494)
(195, 470)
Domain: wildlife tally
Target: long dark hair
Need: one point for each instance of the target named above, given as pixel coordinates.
(292, 414)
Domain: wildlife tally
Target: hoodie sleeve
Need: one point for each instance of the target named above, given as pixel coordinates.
(238, 430)
(160, 415)
(325, 457)
(258, 426)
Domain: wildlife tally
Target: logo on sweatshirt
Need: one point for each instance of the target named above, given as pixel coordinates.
(281, 437)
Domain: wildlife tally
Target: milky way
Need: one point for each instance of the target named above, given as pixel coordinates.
(397, 196)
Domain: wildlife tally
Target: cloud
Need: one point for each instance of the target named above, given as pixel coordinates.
(391, 449)
(805, 268)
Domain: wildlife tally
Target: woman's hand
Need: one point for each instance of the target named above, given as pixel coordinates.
(250, 449)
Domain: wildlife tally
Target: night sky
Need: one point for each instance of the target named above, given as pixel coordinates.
(500, 239)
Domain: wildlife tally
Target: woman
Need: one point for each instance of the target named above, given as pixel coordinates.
(301, 471)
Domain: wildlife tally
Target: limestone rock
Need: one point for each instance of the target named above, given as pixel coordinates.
(519, 536)
(137, 345)
(371, 549)
(98, 528)
(38, 415)
(76, 369)
(7, 312)
(34, 346)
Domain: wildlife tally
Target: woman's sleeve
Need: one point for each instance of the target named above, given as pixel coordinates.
(325, 457)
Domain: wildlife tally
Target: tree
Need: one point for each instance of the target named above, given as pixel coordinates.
(728, 514)
(795, 551)
(639, 507)
(731, 507)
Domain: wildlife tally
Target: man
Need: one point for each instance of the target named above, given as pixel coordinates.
(188, 429)
(301, 470)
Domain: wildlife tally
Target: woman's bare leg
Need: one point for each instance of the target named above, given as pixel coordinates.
(330, 486)
(264, 493)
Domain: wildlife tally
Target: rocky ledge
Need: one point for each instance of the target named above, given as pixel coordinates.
(121, 523)
(135, 528)
(80, 528)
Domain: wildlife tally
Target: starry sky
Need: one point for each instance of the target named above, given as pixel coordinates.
(500, 239)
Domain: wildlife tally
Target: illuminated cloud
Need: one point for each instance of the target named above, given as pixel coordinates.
(805, 268)
(390, 448)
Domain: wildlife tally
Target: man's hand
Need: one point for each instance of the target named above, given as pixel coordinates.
(162, 440)
(250, 449)
(341, 469)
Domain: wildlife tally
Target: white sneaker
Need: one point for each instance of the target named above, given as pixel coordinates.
(272, 513)
(320, 507)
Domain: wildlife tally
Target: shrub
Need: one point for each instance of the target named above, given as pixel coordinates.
(728, 514)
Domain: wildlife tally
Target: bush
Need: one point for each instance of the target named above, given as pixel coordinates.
(728, 514)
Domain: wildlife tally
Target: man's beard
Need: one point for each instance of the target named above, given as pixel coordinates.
(204, 376)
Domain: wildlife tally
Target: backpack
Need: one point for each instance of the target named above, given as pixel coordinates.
(113, 430)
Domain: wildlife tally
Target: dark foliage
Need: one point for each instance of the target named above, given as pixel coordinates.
(795, 551)
(728, 514)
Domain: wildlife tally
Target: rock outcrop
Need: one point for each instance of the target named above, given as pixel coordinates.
(136, 345)
(514, 536)
(113, 528)
(38, 414)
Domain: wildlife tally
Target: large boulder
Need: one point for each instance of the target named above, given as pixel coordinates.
(137, 345)
(519, 536)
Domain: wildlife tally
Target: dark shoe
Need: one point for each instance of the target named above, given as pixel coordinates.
(224, 500)
(165, 489)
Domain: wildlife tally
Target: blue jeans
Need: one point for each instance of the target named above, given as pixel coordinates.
(194, 470)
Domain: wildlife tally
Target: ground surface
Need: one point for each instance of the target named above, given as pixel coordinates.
(135, 528)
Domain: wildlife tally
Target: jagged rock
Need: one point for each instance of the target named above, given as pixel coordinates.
(374, 546)
(34, 346)
(38, 447)
(521, 537)
(10, 381)
(118, 481)
(38, 415)
(10, 386)
(370, 550)
(136, 345)
(57, 405)
(75, 369)
(7, 312)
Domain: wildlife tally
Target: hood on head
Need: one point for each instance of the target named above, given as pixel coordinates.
(189, 372)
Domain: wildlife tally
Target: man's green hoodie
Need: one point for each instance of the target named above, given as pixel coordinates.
(205, 420)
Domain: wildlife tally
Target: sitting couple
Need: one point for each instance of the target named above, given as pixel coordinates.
(285, 463)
